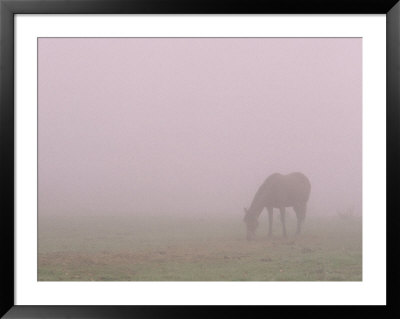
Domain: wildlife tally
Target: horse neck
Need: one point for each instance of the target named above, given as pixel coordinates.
(259, 200)
(255, 208)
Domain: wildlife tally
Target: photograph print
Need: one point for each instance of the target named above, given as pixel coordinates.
(199, 159)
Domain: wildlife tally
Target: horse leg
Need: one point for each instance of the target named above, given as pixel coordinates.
(270, 216)
(301, 215)
(283, 213)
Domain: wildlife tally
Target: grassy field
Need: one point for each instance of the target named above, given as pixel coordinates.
(120, 248)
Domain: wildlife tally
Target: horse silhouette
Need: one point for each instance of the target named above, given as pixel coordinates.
(279, 191)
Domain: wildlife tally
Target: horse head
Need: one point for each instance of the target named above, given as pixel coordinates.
(251, 223)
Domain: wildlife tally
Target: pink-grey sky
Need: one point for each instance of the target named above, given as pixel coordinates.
(195, 125)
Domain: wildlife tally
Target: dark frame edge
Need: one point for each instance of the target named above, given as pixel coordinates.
(7, 156)
(392, 150)
(201, 6)
(7, 291)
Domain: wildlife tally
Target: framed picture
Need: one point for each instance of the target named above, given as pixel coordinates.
(163, 157)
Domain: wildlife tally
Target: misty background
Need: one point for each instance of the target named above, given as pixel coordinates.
(193, 126)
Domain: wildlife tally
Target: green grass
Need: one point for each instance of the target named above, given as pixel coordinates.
(120, 248)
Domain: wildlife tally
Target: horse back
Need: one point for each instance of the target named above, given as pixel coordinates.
(286, 190)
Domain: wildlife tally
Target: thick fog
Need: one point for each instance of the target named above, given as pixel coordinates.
(194, 126)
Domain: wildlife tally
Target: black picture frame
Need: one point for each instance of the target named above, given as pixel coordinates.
(8, 8)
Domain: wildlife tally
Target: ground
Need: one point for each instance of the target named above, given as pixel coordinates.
(112, 247)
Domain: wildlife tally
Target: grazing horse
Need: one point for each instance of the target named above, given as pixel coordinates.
(279, 191)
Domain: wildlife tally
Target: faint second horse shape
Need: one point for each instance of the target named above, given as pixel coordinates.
(279, 191)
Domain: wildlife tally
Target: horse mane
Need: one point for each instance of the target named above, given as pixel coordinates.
(258, 202)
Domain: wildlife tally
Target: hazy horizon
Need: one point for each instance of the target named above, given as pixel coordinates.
(193, 126)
